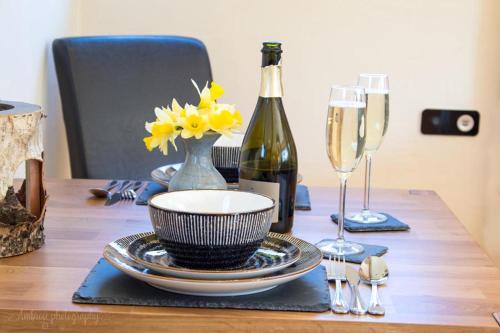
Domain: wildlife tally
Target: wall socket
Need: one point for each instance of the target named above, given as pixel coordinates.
(450, 122)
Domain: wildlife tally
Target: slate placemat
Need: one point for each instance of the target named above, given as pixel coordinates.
(391, 224)
(107, 285)
(302, 199)
(370, 250)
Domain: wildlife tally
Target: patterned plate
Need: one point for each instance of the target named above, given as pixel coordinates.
(310, 257)
(273, 255)
(162, 175)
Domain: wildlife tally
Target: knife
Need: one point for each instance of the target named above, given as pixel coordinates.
(357, 306)
(117, 195)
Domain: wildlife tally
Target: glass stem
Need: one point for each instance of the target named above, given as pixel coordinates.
(368, 174)
(340, 231)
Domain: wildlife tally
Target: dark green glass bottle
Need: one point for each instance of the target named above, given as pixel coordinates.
(268, 162)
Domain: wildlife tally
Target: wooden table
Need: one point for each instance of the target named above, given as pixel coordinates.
(440, 279)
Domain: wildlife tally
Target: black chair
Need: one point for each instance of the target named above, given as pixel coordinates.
(109, 87)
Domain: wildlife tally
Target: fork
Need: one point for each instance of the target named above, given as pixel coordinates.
(130, 193)
(336, 270)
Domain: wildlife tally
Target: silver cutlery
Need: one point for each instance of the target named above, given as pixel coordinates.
(374, 271)
(357, 306)
(131, 193)
(336, 270)
(117, 195)
(103, 192)
(170, 171)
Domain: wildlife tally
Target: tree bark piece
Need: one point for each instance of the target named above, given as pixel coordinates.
(22, 213)
(12, 211)
(20, 231)
(20, 140)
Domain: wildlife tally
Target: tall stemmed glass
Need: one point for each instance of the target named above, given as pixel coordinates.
(345, 141)
(377, 118)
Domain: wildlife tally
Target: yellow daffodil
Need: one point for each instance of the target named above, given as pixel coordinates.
(162, 114)
(177, 112)
(192, 121)
(224, 119)
(238, 118)
(208, 96)
(216, 91)
(163, 131)
(194, 124)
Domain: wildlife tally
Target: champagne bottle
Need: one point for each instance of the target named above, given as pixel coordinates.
(268, 162)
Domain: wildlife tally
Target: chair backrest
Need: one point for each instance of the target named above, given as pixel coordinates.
(109, 87)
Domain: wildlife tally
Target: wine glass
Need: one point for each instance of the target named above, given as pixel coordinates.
(345, 142)
(377, 118)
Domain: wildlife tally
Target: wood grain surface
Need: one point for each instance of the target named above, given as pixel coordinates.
(440, 280)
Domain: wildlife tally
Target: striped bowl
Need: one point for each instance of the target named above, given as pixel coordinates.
(213, 229)
(226, 157)
(226, 151)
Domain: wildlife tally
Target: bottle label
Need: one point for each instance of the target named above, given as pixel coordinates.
(270, 83)
(272, 190)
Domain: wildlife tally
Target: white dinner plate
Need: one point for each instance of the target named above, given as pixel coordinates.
(310, 257)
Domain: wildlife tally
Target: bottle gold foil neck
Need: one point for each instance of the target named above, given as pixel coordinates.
(271, 84)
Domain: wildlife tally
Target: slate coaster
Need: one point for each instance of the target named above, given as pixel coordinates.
(107, 285)
(391, 224)
(302, 199)
(370, 250)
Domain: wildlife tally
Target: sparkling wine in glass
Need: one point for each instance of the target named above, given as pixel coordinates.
(345, 143)
(377, 118)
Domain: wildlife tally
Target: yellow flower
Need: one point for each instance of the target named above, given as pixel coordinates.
(162, 114)
(208, 95)
(206, 101)
(238, 118)
(150, 142)
(216, 91)
(194, 124)
(177, 111)
(192, 121)
(163, 131)
(224, 119)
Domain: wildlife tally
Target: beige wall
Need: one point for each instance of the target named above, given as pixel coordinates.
(438, 54)
(26, 71)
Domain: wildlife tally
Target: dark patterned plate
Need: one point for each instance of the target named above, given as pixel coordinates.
(273, 255)
(163, 174)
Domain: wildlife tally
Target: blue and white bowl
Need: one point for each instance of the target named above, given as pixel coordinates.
(226, 156)
(226, 151)
(211, 228)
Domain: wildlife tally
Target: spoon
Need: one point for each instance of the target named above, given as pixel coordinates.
(103, 192)
(170, 171)
(374, 271)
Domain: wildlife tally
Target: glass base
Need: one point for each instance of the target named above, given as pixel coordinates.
(341, 247)
(366, 216)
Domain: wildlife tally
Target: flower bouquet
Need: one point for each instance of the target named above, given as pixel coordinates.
(199, 127)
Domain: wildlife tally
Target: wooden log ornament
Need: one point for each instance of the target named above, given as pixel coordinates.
(21, 213)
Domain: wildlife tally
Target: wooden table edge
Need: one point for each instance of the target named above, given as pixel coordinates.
(123, 322)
